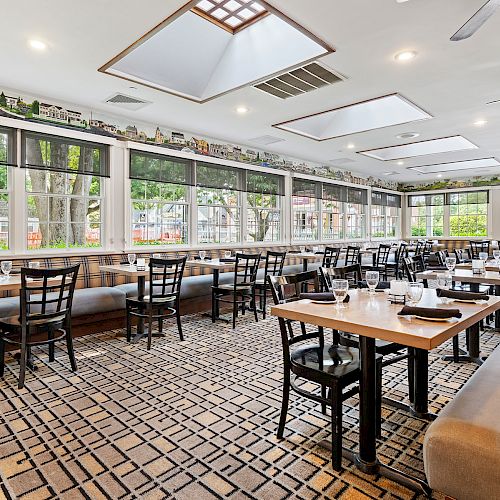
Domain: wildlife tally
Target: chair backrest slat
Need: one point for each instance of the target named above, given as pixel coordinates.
(165, 277)
(274, 264)
(331, 257)
(246, 269)
(352, 255)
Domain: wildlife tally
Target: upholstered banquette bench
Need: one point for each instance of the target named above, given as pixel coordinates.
(462, 446)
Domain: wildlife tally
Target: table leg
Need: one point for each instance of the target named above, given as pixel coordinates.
(474, 355)
(215, 283)
(497, 312)
(141, 291)
(304, 265)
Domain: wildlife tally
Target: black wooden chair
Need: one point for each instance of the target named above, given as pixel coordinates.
(381, 260)
(163, 301)
(476, 247)
(274, 267)
(419, 248)
(241, 293)
(350, 273)
(412, 266)
(46, 298)
(396, 268)
(352, 255)
(330, 366)
(462, 255)
(331, 257)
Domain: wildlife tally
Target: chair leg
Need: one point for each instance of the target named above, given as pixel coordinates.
(284, 405)
(323, 395)
(150, 328)
(22, 365)
(264, 303)
(71, 351)
(336, 398)
(411, 375)
(129, 325)
(213, 306)
(178, 318)
(456, 351)
(2, 358)
(255, 306)
(50, 336)
(235, 309)
(160, 321)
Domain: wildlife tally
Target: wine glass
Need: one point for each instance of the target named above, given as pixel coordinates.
(302, 249)
(339, 290)
(6, 267)
(156, 256)
(450, 263)
(496, 256)
(34, 264)
(227, 254)
(483, 256)
(202, 254)
(414, 292)
(372, 279)
(131, 259)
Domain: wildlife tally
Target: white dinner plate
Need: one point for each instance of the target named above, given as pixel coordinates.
(439, 320)
(322, 301)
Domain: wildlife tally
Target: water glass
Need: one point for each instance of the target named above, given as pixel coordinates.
(450, 263)
(414, 292)
(483, 256)
(315, 249)
(227, 254)
(444, 281)
(202, 254)
(34, 264)
(6, 267)
(372, 279)
(156, 256)
(496, 256)
(302, 249)
(131, 258)
(339, 290)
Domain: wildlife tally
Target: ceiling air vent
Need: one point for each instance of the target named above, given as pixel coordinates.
(126, 101)
(265, 140)
(299, 81)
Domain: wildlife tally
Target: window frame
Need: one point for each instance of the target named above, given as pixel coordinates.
(9, 164)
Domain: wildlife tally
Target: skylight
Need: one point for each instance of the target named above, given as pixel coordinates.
(232, 15)
(457, 165)
(433, 146)
(354, 118)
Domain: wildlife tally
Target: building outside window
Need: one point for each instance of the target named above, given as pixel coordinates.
(264, 193)
(219, 203)
(468, 213)
(357, 200)
(385, 209)
(6, 161)
(306, 197)
(332, 211)
(64, 188)
(426, 215)
(159, 192)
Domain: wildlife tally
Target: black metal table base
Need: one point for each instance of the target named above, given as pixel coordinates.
(464, 358)
(410, 482)
(408, 408)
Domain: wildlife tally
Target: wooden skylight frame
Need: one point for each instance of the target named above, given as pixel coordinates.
(231, 15)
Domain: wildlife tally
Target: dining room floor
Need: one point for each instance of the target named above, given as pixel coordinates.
(194, 419)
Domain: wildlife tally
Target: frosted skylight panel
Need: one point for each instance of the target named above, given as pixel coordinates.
(433, 146)
(220, 13)
(233, 21)
(457, 165)
(232, 5)
(257, 7)
(246, 14)
(205, 5)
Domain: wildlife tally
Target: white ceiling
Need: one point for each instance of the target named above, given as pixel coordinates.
(450, 80)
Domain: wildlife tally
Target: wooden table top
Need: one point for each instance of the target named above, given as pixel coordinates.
(490, 266)
(124, 269)
(374, 316)
(13, 282)
(212, 264)
(305, 256)
(465, 275)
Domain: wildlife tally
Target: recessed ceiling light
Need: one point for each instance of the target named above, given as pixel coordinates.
(351, 146)
(401, 1)
(241, 110)
(408, 135)
(37, 45)
(480, 123)
(401, 163)
(406, 55)
(439, 175)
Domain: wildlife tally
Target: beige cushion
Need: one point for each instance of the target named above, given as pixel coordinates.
(462, 446)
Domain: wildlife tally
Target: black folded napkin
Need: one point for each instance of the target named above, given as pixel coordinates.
(229, 259)
(294, 251)
(199, 258)
(436, 268)
(457, 294)
(430, 312)
(15, 271)
(323, 296)
(382, 285)
(124, 262)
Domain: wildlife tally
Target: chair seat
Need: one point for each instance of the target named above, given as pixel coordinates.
(145, 301)
(13, 323)
(315, 363)
(230, 288)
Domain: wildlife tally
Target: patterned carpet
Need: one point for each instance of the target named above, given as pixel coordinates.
(193, 419)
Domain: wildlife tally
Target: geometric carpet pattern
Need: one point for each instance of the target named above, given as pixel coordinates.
(194, 420)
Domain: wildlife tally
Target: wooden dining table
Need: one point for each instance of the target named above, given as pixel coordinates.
(374, 317)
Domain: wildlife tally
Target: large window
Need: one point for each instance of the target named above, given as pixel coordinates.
(468, 213)
(6, 160)
(264, 195)
(159, 197)
(333, 211)
(306, 197)
(64, 191)
(385, 214)
(426, 215)
(219, 203)
(355, 213)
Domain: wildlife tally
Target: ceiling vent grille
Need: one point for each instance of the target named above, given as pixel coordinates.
(299, 81)
(126, 101)
(265, 140)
